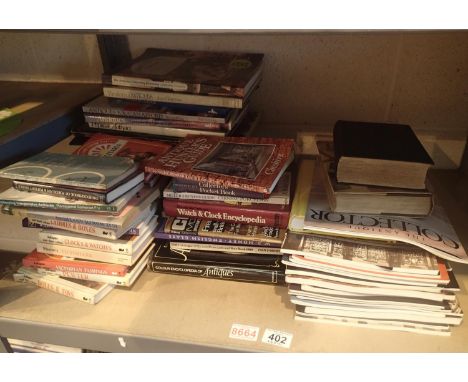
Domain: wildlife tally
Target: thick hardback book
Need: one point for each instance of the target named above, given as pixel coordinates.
(261, 235)
(164, 111)
(255, 214)
(365, 254)
(141, 151)
(83, 290)
(253, 164)
(380, 154)
(280, 194)
(240, 268)
(181, 185)
(189, 71)
(16, 198)
(433, 233)
(347, 197)
(79, 193)
(126, 280)
(66, 264)
(71, 170)
(127, 244)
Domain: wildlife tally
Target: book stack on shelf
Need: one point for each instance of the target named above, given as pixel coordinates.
(172, 93)
(98, 217)
(360, 260)
(227, 207)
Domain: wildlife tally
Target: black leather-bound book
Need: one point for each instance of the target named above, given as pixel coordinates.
(380, 154)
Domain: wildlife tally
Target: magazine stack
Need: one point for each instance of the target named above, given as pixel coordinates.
(227, 208)
(97, 211)
(172, 93)
(370, 269)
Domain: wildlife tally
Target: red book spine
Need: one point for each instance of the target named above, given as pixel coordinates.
(269, 215)
(40, 260)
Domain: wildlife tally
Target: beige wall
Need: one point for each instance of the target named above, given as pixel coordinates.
(420, 78)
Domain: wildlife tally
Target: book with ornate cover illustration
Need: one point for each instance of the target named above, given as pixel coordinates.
(71, 170)
(253, 164)
(198, 72)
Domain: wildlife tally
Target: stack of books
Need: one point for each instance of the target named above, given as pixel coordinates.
(98, 218)
(363, 266)
(173, 93)
(227, 207)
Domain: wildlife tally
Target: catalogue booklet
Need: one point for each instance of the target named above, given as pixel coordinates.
(253, 164)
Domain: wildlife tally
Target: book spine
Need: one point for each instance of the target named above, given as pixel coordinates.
(147, 83)
(85, 254)
(86, 229)
(183, 246)
(48, 237)
(209, 239)
(204, 188)
(61, 289)
(152, 122)
(58, 266)
(222, 198)
(160, 96)
(57, 191)
(71, 218)
(151, 129)
(155, 115)
(174, 208)
(26, 223)
(218, 272)
(97, 277)
(60, 206)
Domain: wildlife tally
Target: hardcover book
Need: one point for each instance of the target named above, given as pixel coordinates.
(199, 72)
(253, 164)
(380, 154)
(221, 229)
(71, 170)
(248, 268)
(280, 194)
(165, 111)
(347, 197)
(255, 214)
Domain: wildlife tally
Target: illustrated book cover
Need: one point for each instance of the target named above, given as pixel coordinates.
(253, 164)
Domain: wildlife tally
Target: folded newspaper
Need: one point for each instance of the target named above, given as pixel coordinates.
(433, 233)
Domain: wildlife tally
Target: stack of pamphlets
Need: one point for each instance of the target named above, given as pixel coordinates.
(374, 271)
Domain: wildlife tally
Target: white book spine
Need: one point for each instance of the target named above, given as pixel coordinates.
(108, 279)
(162, 96)
(86, 229)
(85, 254)
(71, 240)
(222, 198)
(181, 246)
(56, 286)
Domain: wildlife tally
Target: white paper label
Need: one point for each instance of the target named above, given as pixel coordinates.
(244, 332)
(277, 338)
